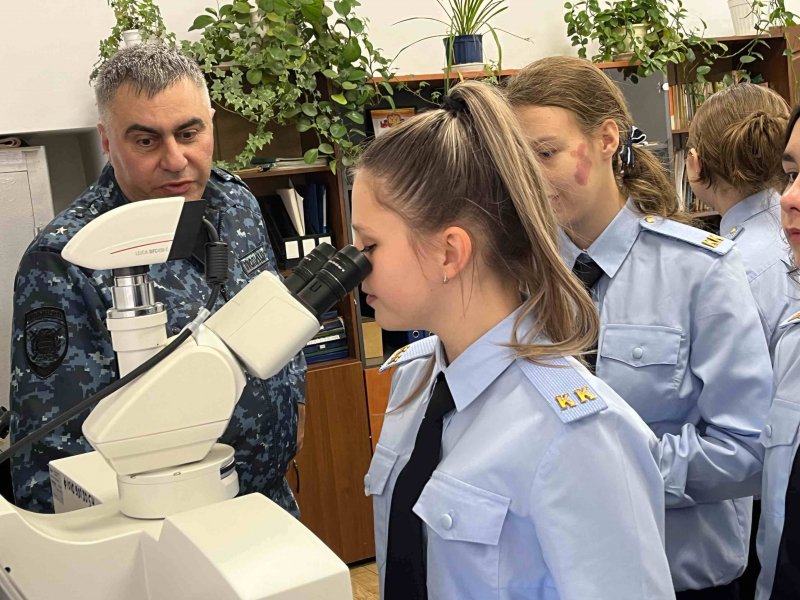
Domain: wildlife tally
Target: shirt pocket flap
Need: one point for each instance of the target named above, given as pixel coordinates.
(641, 345)
(379, 470)
(462, 512)
(783, 421)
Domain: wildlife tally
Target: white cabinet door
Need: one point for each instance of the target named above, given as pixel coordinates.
(18, 230)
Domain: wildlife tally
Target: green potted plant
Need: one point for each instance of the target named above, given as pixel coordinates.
(465, 24)
(280, 57)
(135, 21)
(652, 33)
(757, 16)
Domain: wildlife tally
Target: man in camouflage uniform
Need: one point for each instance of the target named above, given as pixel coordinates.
(155, 127)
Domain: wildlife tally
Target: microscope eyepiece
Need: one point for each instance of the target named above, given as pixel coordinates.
(340, 274)
(305, 270)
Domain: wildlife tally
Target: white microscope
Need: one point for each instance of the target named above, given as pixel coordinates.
(175, 530)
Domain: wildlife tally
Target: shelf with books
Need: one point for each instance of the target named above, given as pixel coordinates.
(775, 69)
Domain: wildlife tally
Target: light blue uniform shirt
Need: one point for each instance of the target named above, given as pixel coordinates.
(524, 505)
(780, 440)
(682, 343)
(755, 224)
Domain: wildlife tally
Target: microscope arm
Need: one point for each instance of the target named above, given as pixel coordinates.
(174, 414)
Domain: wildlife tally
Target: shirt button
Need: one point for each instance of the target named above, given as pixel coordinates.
(768, 431)
(176, 330)
(446, 521)
(637, 353)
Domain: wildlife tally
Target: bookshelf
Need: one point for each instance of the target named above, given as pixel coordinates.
(777, 70)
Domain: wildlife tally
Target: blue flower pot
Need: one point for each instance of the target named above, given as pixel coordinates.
(466, 48)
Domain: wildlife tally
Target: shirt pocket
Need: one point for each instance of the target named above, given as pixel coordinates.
(464, 524)
(641, 361)
(779, 438)
(375, 481)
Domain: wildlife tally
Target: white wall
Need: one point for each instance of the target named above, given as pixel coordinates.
(48, 47)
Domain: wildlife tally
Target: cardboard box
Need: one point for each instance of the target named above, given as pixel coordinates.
(373, 339)
(232, 130)
(385, 119)
(82, 481)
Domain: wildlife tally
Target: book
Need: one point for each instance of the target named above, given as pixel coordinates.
(329, 337)
(310, 197)
(316, 358)
(292, 202)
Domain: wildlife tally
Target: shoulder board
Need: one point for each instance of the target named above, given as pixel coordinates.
(565, 389)
(423, 347)
(795, 318)
(226, 175)
(680, 231)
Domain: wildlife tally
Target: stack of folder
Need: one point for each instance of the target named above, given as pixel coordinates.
(331, 341)
(296, 220)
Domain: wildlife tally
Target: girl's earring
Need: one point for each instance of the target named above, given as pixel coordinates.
(444, 279)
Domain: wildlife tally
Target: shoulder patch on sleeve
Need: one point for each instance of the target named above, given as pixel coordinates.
(565, 389)
(423, 347)
(795, 318)
(680, 231)
(46, 339)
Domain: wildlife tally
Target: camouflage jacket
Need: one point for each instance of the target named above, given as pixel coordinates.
(61, 350)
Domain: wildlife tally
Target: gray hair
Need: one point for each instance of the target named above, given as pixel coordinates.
(147, 68)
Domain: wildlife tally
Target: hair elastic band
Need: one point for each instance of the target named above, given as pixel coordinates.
(454, 105)
(635, 136)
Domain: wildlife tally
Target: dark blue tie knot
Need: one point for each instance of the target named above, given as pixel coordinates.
(587, 270)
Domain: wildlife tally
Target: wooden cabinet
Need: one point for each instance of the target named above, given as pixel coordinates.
(27, 206)
(334, 459)
(378, 387)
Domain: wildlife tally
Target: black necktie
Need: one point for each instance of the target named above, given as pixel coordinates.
(589, 272)
(405, 552)
(787, 567)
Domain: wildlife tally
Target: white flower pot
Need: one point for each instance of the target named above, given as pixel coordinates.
(639, 31)
(743, 17)
(131, 37)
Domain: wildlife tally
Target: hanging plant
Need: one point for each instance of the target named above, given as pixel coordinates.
(141, 15)
(652, 33)
(268, 60)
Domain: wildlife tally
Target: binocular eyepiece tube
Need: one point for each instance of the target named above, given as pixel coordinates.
(325, 276)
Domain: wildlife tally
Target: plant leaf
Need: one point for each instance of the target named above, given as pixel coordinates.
(355, 117)
(342, 7)
(351, 51)
(201, 22)
(339, 99)
(338, 130)
(326, 148)
(310, 156)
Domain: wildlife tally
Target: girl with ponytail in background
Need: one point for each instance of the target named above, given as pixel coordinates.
(680, 337)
